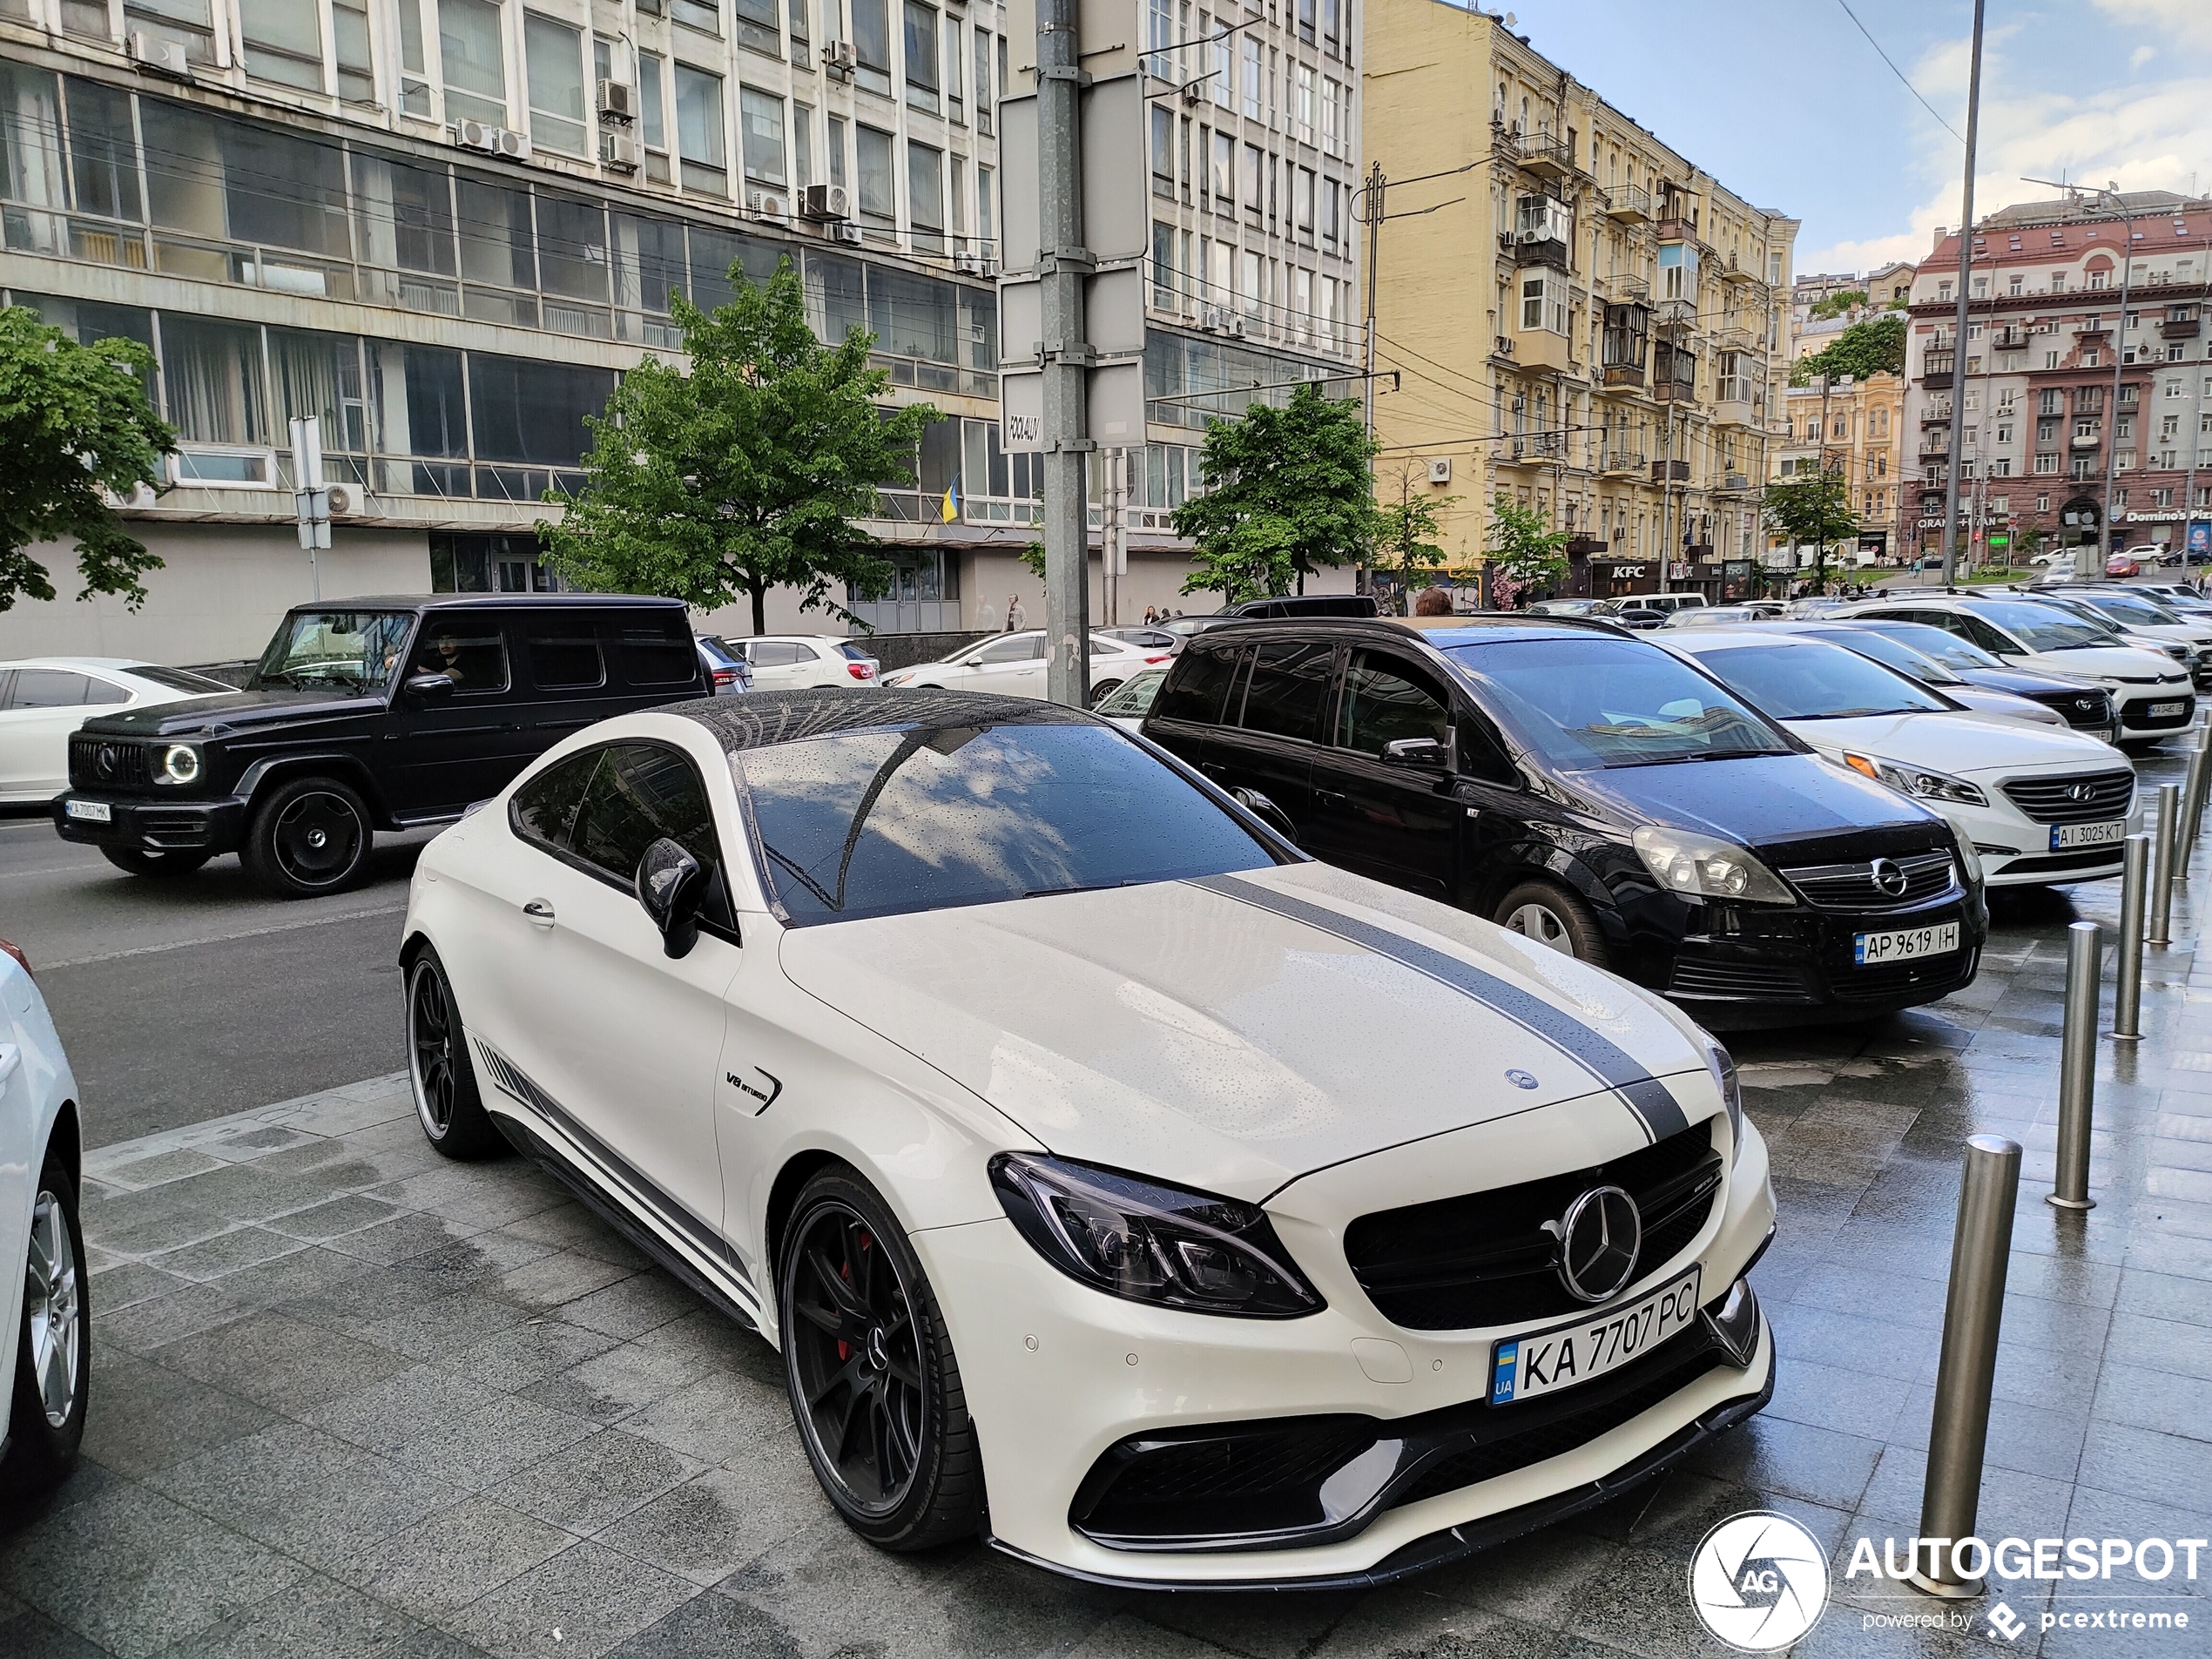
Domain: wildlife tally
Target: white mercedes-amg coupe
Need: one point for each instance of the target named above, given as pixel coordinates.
(1113, 1179)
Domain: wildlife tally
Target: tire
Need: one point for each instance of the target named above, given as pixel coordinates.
(1551, 915)
(873, 1381)
(308, 836)
(134, 861)
(1105, 689)
(54, 1347)
(440, 1072)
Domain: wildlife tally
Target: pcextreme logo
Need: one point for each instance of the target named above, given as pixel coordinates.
(1759, 1580)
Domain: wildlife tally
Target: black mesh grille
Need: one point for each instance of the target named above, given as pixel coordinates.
(2091, 709)
(1483, 1258)
(1888, 980)
(106, 763)
(1246, 1482)
(1696, 978)
(2051, 801)
(1856, 886)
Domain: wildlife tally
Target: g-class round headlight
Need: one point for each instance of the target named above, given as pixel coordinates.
(180, 764)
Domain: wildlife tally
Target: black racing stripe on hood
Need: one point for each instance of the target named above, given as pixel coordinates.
(1654, 1107)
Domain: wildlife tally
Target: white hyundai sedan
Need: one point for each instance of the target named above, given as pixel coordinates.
(2039, 806)
(1232, 1219)
(1014, 665)
(44, 700)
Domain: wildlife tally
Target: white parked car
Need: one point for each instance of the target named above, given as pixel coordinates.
(1014, 665)
(787, 662)
(1232, 1219)
(42, 699)
(2142, 620)
(1128, 703)
(46, 1321)
(2150, 691)
(2039, 805)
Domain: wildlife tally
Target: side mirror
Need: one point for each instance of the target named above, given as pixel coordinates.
(1414, 752)
(1267, 811)
(428, 688)
(672, 885)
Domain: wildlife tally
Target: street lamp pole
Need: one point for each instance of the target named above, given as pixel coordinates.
(1959, 327)
(2119, 357)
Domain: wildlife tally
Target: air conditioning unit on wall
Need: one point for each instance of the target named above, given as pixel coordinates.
(618, 100)
(825, 202)
(162, 56)
(476, 135)
(344, 501)
(1440, 470)
(769, 205)
(619, 151)
(846, 232)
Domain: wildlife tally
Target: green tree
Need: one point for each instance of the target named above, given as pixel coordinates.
(1836, 304)
(1407, 530)
(74, 430)
(746, 471)
(1523, 547)
(1862, 350)
(1288, 490)
(1811, 508)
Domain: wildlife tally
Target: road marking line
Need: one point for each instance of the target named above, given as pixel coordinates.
(225, 939)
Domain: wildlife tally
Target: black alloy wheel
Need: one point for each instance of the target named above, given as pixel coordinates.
(143, 861)
(446, 1100)
(311, 836)
(869, 1367)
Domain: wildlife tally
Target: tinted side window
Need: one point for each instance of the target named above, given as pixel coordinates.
(543, 810)
(1008, 651)
(48, 688)
(1981, 633)
(640, 793)
(565, 653)
(1385, 700)
(99, 690)
(471, 651)
(776, 653)
(1197, 685)
(1289, 689)
(1482, 751)
(655, 652)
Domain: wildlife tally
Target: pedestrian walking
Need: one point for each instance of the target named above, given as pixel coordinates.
(1016, 618)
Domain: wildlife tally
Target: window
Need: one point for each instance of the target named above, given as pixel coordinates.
(1543, 303)
(212, 372)
(985, 108)
(475, 67)
(699, 139)
(652, 114)
(871, 44)
(1163, 151)
(470, 652)
(837, 150)
(926, 196)
(283, 43)
(639, 793)
(985, 220)
(1164, 283)
(953, 78)
(1250, 185)
(756, 27)
(762, 114)
(1221, 182)
(921, 56)
(655, 650)
(532, 413)
(556, 56)
(543, 810)
(1288, 690)
(564, 655)
(1386, 701)
(878, 197)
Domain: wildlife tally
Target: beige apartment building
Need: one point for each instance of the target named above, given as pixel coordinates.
(1856, 427)
(1587, 322)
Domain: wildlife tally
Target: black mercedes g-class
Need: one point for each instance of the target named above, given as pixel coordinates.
(367, 714)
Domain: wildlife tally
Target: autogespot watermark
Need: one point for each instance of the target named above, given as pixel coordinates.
(1760, 1580)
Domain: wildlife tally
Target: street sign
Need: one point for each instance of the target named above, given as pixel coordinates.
(2000, 538)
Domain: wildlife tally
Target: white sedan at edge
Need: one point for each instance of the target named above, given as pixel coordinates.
(2039, 805)
(45, 1336)
(1014, 665)
(1230, 1219)
(45, 699)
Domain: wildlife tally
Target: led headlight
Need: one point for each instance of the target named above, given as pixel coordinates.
(1135, 1239)
(1722, 1066)
(179, 765)
(1920, 782)
(1704, 866)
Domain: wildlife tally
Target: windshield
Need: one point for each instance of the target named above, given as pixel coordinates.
(1939, 645)
(1809, 679)
(2042, 627)
(180, 679)
(2140, 613)
(891, 820)
(1584, 703)
(1892, 653)
(1134, 695)
(351, 648)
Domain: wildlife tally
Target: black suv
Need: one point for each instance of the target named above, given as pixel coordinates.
(367, 714)
(1591, 789)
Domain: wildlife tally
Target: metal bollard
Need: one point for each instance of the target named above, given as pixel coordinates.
(2128, 999)
(2078, 1065)
(1959, 1434)
(2164, 834)
(2192, 806)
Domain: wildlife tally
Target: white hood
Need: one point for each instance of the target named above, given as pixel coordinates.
(1967, 744)
(1236, 1032)
(2107, 662)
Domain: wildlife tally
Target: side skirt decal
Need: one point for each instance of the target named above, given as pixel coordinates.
(1646, 1097)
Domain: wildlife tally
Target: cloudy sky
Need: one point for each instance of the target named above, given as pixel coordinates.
(1786, 103)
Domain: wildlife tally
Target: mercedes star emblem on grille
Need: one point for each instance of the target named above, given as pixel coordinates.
(1599, 1238)
(107, 760)
(1888, 878)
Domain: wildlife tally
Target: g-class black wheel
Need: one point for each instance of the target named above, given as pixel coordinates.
(309, 836)
(439, 1068)
(870, 1369)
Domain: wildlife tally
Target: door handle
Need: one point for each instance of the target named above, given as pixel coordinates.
(1330, 797)
(539, 912)
(10, 1057)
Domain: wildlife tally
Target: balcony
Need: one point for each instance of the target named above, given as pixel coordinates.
(1547, 157)
(2084, 441)
(1623, 374)
(2008, 340)
(1733, 484)
(2180, 328)
(1626, 289)
(1736, 339)
(1670, 472)
(1935, 449)
(1540, 348)
(1732, 272)
(1674, 228)
(1938, 380)
(1529, 249)
(2090, 331)
(1732, 409)
(1627, 204)
(1675, 316)
(1621, 462)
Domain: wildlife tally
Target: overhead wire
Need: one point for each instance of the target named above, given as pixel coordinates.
(1895, 70)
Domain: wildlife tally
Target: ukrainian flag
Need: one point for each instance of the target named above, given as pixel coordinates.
(949, 508)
